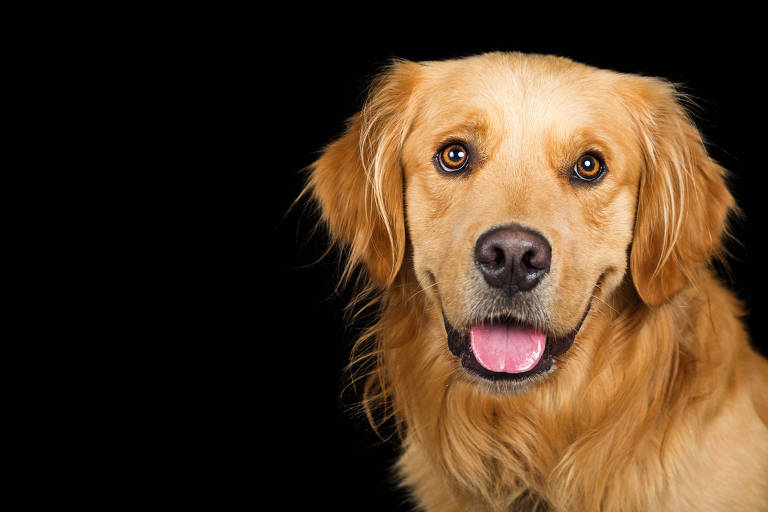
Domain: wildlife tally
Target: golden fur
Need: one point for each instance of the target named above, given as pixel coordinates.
(661, 403)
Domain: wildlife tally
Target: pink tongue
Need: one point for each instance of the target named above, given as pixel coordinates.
(507, 348)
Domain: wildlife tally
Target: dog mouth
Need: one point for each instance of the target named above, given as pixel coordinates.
(508, 349)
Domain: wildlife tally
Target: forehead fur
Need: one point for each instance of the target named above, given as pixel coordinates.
(515, 92)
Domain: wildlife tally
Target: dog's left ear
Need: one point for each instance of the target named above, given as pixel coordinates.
(683, 203)
(358, 181)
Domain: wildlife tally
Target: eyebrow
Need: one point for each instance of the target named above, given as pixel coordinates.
(568, 149)
(474, 127)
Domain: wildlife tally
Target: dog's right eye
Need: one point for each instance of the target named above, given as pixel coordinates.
(452, 158)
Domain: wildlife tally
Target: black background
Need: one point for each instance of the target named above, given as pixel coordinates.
(329, 455)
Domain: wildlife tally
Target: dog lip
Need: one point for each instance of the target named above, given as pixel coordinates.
(459, 345)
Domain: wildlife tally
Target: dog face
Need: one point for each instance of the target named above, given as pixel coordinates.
(521, 189)
(524, 232)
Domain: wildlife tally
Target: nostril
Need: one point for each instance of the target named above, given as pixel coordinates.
(491, 255)
(535, 259)
(499, 257)
(528, 259)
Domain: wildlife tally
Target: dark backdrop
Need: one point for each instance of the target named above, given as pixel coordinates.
(329, 455)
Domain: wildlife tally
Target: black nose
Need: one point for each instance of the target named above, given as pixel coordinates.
(512, 258)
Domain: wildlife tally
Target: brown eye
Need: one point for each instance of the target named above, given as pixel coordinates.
(453, 158)
(588, 167)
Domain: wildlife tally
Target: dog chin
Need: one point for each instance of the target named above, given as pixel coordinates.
(507, 386)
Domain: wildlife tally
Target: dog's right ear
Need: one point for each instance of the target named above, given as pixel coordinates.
(358, 181)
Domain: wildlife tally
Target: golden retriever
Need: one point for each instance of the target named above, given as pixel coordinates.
(537, 235)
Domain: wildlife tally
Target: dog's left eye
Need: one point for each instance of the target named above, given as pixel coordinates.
(588, 167)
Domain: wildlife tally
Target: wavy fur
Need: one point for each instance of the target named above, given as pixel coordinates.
(661, 404)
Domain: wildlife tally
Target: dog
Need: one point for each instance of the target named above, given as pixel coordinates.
(538, 237)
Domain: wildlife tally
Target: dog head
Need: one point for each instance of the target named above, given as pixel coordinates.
(518, 189)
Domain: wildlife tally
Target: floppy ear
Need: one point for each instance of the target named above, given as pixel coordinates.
(358, 182)
(683, 202)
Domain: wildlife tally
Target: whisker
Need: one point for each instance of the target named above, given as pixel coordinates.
(604, 302)
(422, 290)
